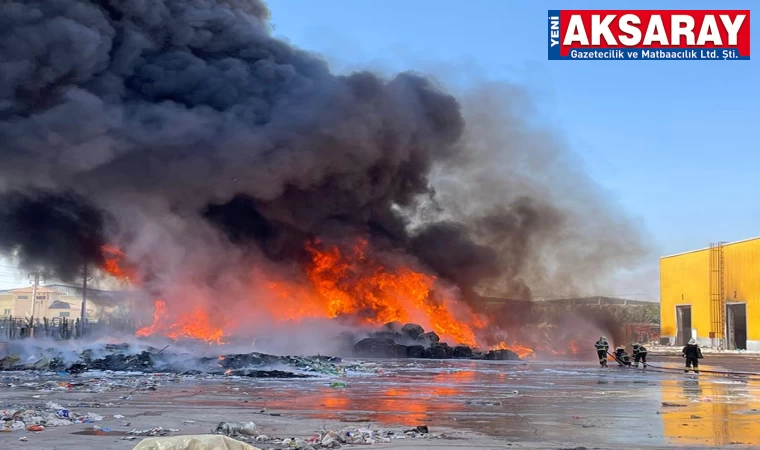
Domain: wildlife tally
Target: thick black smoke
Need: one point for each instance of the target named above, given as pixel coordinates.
(208, 140)
(57, 232)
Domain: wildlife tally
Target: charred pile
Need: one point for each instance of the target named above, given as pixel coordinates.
(395, 340)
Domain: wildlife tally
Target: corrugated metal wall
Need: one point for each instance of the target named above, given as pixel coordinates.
(685, 280)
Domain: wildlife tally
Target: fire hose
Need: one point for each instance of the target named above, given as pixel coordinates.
(672, 369)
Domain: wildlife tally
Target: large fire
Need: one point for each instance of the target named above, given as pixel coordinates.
(354, 284)
(336, 283)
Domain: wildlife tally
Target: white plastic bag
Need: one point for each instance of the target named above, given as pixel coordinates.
(193, 442)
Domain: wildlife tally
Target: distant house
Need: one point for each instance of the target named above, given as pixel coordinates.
(59, 301)
(28, 302)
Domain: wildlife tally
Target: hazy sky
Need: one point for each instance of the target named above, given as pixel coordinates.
(670, 141)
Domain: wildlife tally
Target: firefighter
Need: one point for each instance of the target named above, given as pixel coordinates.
(639, 355)
(602, 347)
(693, 354)
(622, 357)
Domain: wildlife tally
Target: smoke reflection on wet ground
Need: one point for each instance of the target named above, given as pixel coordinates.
(542, 401)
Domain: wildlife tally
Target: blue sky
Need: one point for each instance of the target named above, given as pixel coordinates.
(670, 141)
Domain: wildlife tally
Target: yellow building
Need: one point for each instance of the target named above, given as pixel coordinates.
(712, 295)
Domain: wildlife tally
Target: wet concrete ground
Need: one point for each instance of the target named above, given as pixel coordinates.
(490, 404)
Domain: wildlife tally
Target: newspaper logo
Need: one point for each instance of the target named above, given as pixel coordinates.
(717, 35)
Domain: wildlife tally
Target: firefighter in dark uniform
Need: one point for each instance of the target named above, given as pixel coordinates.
(693, 354)
(602, 347)
(622, 356)
(639, 355)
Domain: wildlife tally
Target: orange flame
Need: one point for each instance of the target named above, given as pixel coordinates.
(194, 325)
(114, 263)
(352, 284)
(159, 312)
(521, 351)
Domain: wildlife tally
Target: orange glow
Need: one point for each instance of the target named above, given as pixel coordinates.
(521, 351)
(114, 264)
(335, 282)
(159, 313)
(350, 283)
(195, 325)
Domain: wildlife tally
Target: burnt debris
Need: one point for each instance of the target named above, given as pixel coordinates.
(123, 358)
(395, 340)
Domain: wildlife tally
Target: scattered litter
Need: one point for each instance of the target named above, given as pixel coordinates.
(23, 439)
(157, 431)
(18, 418)
(694, 416)
(338, 384)
(188, 422)
(672, 405)
(333, 439)
(236, 428)
(422, 429)
(118, 416)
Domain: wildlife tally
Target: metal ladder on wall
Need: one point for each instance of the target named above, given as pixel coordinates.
(717, 295)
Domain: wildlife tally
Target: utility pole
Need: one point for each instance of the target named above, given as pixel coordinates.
(36, 276)
(83, 315)
(35, 283)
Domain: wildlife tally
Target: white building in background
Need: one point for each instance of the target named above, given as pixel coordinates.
(63, 301)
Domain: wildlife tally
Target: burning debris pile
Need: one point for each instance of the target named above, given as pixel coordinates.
(411, 341)
(240, 188)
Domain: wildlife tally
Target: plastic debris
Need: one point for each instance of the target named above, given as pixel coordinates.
(199, 442)
(333, 439)
(236, 428)
(338, 384)
(118, 416)
(18, 418)
(157, 431)
(23, 439)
